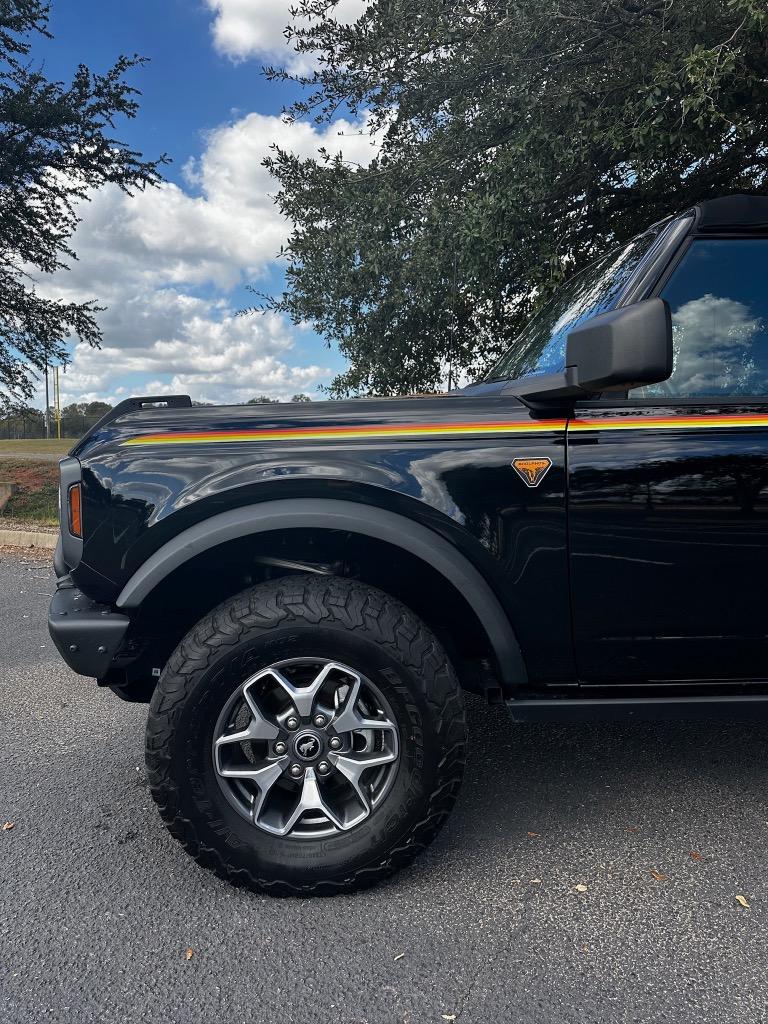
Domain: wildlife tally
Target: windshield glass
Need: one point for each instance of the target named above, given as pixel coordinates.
(541, 346)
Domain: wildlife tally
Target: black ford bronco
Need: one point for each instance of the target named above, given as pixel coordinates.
(302, 592)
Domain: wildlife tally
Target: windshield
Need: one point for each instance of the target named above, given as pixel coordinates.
(541, 346)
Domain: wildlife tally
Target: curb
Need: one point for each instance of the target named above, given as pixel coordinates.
(28, 539)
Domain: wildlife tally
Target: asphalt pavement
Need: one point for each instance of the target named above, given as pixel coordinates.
(538, 904)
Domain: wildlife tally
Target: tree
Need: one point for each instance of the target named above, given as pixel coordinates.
(79, 416)
(23, 422)
(516, 140)
(56, 146)
(301, 398)
(262, 400)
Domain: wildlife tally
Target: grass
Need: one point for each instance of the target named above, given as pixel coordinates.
(36, 447)
(37, 497)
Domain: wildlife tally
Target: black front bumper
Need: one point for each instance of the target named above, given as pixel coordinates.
(87, 634)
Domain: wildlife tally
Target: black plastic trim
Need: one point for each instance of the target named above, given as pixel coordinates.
(349, 517)
(70, 472)
(134, 405)
(740, 211)
(641, 709)
(59, 565)
(642, 283)
(87, 634)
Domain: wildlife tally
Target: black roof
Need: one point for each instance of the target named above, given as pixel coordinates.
(738, 212)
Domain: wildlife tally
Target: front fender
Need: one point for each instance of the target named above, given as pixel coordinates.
(350, 517)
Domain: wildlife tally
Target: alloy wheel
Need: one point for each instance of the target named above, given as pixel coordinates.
(306, 748)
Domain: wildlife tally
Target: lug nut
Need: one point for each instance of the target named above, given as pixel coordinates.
(319, 721)
(292, 723)
(335, 743)
(323, 767)
(295, 770)
(280, 747)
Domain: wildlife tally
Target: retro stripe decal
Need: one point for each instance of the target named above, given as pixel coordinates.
(695, 422)
(416, 430)
(422, 430)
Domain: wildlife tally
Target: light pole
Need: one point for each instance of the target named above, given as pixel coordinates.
(57, 400)
(47, 402)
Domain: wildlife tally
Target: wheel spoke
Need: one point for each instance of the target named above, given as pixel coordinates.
(253, 731)
(265, 782)
(352, 768)
(264, 777)
(350, 720)
(303, 697)
(259, 728)
(346, 720)
(311, 799)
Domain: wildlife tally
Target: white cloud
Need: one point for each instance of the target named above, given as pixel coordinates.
(146, 257)
(223, 361)
(213, 357)
(256, 28)
(712, 339)
(230, 231)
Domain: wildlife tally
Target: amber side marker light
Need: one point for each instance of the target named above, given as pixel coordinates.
(74, 502)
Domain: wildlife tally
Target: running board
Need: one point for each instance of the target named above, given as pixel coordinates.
(641, 709)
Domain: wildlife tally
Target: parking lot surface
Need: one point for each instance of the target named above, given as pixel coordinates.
(589, 874)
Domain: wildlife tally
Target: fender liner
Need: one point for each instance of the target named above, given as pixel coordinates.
(350, 517)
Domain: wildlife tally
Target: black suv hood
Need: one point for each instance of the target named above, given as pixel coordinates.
(354, 419)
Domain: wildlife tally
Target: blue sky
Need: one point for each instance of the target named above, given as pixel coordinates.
(171, 265)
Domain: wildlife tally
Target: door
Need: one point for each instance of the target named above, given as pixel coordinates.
(668, 491)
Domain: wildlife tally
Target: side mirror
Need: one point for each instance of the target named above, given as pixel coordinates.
(623, 348)
(614, 351)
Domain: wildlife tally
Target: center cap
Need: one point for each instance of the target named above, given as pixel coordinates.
(307, 746)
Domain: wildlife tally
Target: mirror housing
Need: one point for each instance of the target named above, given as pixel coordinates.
(614, 351)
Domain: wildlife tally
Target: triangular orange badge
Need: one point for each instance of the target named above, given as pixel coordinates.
(531, 471)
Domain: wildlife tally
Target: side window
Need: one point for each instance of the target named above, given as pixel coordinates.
(719, 300)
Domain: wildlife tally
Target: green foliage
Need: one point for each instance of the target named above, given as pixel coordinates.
(79, 417)
(266, 400)
(56, 145)
(517, 139)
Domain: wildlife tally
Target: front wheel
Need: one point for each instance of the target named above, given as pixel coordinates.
(306, 737)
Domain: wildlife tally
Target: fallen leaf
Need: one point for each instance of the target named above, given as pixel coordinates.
(659, 875)
(632, 828)
(580, 887)
(533, 835)
(189, 954)
(695, 855)
(742, 901)
(585, 949)
(8, 826)
(399, 956)
(448, 1016)
(535, 881)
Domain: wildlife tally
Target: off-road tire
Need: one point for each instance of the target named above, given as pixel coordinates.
(291, 617)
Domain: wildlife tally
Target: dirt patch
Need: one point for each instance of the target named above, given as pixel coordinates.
(36, 499)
